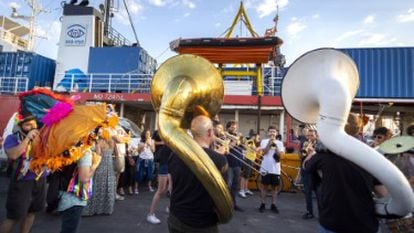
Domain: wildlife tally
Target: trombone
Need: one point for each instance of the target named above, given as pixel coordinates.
(226, 145)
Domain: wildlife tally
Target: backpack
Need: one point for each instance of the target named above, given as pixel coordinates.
(58, 181)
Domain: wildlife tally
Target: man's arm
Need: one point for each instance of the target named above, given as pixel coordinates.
(309, 164)
(15, 152)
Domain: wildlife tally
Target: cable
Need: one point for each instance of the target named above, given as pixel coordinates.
(130, 21)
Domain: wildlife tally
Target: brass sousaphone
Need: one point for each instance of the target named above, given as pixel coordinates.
(183, 86)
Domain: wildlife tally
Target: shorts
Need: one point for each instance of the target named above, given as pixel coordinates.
(25, 196)
(271, 179)
(163, 170)
(246, 171)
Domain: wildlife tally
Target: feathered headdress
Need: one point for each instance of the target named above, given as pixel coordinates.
(65, 128)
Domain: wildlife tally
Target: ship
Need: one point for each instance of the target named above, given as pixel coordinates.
(98, 63)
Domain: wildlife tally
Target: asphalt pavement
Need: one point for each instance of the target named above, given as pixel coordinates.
(130, 216)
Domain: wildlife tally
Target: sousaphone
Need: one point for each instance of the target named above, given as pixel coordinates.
(185, 86)
(319, 88)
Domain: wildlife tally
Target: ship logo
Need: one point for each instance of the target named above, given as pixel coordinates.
(76, 31)
(76, 35)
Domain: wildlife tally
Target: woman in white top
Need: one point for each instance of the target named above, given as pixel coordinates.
(145, 165)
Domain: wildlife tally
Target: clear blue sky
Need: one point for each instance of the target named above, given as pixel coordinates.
(303, 24)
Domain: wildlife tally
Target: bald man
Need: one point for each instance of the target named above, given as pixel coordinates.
(191, 208)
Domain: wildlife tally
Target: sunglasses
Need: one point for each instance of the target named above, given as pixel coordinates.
(379, 137)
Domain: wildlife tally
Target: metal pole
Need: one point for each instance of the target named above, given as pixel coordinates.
(90, 82)
(282, 123)
(110, 81)
(107, 17)
(259, 114)
(72, 81)
(259, 84)
(129, 83)
(16, 85)
(121, 110)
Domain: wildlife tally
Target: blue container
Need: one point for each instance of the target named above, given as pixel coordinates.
(39, 69)
(384, 72)
(118, 60)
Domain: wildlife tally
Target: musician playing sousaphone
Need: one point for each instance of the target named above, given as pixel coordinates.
(271, 149)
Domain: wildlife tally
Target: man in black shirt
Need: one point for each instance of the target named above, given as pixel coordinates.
(345, 198)
(191, 207)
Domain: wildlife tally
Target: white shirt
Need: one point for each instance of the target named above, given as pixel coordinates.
(269, 164)
(146, 153)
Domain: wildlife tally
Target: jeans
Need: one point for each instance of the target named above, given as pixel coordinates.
(70, 219)
(233, 177)
(145, 168)
(307, 186)
(324, 230)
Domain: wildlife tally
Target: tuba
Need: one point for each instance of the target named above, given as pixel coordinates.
(183, 86)
(319, 88)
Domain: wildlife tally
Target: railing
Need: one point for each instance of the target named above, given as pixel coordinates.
(126, 83)
(13, 85)
(132, 83)
(117, 39)
(13, 39)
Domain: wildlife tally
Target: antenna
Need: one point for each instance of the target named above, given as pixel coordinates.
(36, 10)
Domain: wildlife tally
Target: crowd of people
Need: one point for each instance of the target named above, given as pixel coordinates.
(114, 167)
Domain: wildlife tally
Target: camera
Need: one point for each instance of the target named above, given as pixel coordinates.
(276, 157)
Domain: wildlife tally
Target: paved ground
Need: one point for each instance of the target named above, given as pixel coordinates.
(129, 216)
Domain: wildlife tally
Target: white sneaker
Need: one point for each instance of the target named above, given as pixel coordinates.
(119, 197)
(151, 189)
(248, 192)
(136, 191)
(121, 192)
(242, 194)
(167, 209)
(152, 219)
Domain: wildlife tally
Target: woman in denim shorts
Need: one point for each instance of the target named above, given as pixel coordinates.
(163, 181)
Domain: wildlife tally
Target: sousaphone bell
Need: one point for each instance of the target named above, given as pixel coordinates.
(185, 86)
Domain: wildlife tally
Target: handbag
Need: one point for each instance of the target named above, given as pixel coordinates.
(131, 161)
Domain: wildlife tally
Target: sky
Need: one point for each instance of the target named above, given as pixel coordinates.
(303, 24)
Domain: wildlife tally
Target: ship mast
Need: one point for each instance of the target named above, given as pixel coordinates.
(36, 9)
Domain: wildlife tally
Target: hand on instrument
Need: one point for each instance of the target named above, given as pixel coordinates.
(32, 134)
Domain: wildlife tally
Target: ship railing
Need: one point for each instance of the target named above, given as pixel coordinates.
(105, 82)
(13, 85)
(117, 39)
(272, 86)
(13, 39)
(141, 83)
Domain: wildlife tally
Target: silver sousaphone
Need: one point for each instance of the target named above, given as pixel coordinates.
(319, 88)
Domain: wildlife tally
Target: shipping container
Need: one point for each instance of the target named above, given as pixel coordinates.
(118, 60)
(38, 69)
(384, 72)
